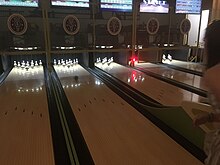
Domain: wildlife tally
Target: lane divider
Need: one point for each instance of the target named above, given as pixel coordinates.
(69, 142)
(83, 153)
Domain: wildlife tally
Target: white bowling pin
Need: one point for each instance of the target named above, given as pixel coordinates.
(15, 64)
(54, 62)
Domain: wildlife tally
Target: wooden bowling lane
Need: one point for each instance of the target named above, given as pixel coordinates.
(183, 77)
(188, 65)
(113, 130)
(160, 91)
(24, 120)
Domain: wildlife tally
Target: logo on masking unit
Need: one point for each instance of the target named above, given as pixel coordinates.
(71, 24)
(114, 26)
(185, 26)
(17, 24)
(153, 26)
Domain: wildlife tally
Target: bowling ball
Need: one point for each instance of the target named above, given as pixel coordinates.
(76, 78)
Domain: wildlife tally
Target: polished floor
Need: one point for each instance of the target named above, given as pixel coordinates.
(199, 67)
(179, 76)
(24, 119)
(162, 92)
(113, 130)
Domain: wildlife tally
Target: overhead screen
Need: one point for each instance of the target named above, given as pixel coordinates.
(117, 5)
(71, 3)
(154, 6)
(20, 3)
(188, 6)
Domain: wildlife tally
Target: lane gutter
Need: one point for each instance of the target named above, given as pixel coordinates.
(60, 150)
(4, 75)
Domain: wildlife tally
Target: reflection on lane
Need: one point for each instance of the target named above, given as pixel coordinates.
(160, 91)
(25, 80)
(74, 79)
(188, 65)
(183, 77)
(24, 119)
(113, 130)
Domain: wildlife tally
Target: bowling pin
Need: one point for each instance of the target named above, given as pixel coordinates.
(54, 62)
(19, 64)
(169, 57)
(15, 64)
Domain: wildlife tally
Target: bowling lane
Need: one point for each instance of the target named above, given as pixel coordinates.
(188, 65)
(160, 91)
(113, 130)
(24, 119)
(183, 77)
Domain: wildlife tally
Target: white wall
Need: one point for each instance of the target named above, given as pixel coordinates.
(193, 33)
(204, 23)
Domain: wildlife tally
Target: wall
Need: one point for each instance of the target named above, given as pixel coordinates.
(193, 33)
(168, 32)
